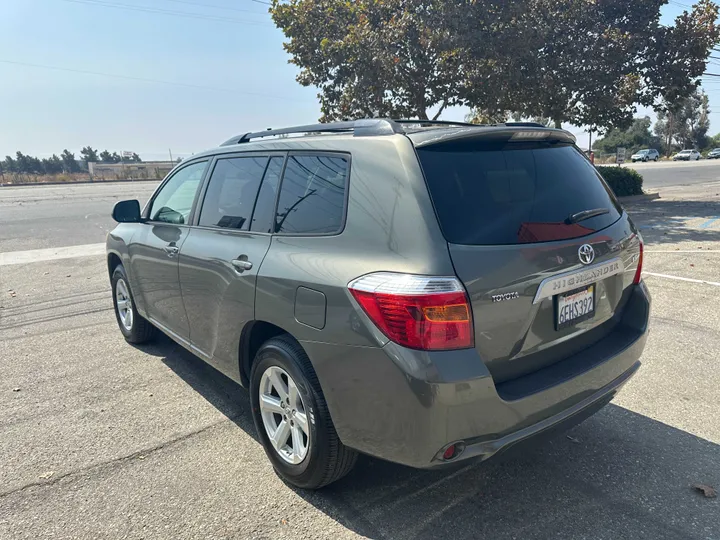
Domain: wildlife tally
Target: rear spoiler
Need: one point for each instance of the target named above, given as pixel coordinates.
(492, 133)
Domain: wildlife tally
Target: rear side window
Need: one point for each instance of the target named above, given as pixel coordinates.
(514, 193)
(232, 191)
(312, 195)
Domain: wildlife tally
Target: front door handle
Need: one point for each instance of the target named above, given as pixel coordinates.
(241, 265)
(171, 250)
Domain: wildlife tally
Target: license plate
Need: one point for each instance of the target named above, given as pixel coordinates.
(575, 306)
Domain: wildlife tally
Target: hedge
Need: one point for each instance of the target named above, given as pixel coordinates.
(622, 180)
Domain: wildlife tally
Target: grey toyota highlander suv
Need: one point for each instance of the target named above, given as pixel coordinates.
(421, 292)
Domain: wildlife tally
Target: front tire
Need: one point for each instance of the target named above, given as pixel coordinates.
(292, 418)
(135, 329)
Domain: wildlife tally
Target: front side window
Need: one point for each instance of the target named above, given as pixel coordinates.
(174, 201)
(232, 191)
(312, 195)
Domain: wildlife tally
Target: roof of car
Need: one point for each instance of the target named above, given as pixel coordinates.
(420, 132)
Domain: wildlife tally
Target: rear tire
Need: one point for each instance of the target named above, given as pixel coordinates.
(135, 329)
(323, 459)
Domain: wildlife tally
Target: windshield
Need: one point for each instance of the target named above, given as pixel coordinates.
(686, 152)
(643, 152)
(514, 193)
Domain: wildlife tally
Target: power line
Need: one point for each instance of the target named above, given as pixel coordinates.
(228, 8)
(166, 12)
(145, 79)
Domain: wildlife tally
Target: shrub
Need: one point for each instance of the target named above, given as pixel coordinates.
(622, 180)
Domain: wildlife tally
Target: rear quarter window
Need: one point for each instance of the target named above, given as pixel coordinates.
(312, 195)
(514, 193)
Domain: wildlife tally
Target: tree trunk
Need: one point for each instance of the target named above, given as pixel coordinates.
(422, 114)
(558, 122)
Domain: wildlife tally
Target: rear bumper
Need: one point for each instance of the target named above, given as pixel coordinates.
(407, 406)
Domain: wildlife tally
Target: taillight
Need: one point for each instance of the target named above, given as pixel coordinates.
(418, 312)
(638, 272)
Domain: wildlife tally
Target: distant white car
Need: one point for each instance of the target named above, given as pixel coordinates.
(687, 155)
(649, 154)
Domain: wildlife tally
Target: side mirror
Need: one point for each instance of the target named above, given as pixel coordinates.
(127, 212)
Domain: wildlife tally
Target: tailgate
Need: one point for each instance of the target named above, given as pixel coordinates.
(541, 244)
(516, 320)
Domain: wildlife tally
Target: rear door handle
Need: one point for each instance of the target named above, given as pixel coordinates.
(241, 265)
(171, 250)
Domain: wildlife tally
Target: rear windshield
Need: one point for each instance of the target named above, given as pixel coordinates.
(514, 193)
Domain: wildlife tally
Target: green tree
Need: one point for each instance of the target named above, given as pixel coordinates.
(116, 157)
(89, 154)
(685, 124)
(107, 157)
(587, 63)
(590, 63)
(68, 162)
(636, 137)
(135, 158)
(370, 58)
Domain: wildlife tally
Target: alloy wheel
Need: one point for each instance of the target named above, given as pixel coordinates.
(124, 304)
(283, 415)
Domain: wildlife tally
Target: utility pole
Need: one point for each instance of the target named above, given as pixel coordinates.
(171, 159)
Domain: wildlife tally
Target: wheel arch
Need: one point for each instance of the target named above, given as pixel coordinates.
(254, 334)
(113, 260)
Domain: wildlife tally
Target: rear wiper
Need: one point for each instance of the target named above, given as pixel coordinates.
(586, 214)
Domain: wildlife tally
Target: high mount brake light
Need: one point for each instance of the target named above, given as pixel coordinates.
(418, 312)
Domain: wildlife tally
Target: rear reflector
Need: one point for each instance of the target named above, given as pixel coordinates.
(418, 312)
(638, 272)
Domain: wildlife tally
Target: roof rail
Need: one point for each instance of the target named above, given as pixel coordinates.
(467, 124)
(359, 128)
(434, 122)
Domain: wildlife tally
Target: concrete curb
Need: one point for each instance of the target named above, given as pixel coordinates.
(30, 184)
(638, 198)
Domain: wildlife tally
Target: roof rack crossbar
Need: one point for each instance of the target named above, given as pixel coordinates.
(359, 128)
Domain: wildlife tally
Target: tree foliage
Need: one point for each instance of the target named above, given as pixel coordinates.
(685, 125)
(89, 154)
(65, 163)
(636, 137)
(371, 58)
(587, 63)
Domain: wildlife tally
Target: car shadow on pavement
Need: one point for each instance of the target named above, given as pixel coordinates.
(671, 221)
(617, 475)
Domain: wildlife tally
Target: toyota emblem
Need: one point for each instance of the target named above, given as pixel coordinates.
(586, 254)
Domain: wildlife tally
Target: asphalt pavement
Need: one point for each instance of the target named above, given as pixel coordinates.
(663, 174)
(100, 439)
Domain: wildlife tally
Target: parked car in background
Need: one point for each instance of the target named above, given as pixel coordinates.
(714, 153)
(687, 155)
(372, 306)
(649, 154)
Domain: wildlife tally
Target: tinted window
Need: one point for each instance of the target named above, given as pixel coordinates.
(312, 197)
(262, 219)
(514, 193)
(232, 191)
(174, 201)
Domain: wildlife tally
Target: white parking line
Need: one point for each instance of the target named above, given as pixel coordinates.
(713, 283)
(50, 254)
